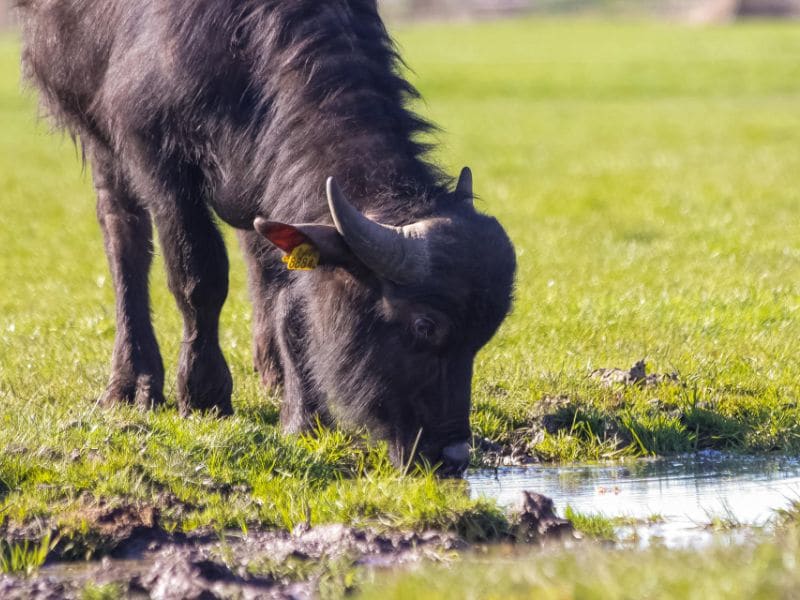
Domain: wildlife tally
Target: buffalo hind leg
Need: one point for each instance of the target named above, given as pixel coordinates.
(137, 373)
(262, 278)
(197, 273)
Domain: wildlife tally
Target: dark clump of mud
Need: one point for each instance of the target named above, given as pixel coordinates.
(512, 453)
(536, 520)
(198, 574)
(636, 375)
(97, 528)
(120, 530)
(39, 588)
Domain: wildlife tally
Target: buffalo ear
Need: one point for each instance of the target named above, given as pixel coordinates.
(325, 239)
(464, 186)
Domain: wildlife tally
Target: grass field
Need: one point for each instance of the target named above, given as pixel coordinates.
(758, 571)
(648, 177)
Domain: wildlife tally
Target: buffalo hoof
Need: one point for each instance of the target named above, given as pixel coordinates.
(204, 381)
(141, 391)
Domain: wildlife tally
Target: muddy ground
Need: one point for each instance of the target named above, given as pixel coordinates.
(233, 565)
(143, 561)
(137, 556)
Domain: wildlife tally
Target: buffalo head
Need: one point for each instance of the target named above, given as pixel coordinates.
(384, 332)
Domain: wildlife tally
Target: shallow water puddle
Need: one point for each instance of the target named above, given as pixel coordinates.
(686, 493)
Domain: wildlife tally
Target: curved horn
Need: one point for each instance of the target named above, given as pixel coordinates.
(399, 254)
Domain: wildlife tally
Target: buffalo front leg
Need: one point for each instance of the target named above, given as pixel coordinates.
(197, 273)
(137, 373)
(302, 407)
(263, 278)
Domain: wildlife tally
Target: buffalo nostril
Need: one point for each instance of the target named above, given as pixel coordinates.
(456, 455)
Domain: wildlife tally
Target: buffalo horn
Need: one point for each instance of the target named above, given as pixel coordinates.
(399, 254)
(464, 186)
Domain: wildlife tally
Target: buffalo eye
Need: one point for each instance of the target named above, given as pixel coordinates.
(424, 328)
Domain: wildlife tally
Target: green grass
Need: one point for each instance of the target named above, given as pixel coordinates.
(595, 526)
(648, 177)
(598, 527)
(646, 174)
(25, 557)
(758, 571)
(101, 592)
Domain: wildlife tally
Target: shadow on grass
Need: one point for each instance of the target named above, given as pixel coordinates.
(713, 430)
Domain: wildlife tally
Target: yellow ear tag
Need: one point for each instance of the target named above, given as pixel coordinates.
(303, 258)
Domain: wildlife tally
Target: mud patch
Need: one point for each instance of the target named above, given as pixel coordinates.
(233, 565)
(536, 520)
(516, 452)
(119, 529)
(40, 588)
(96, 528)
(636, 375)
(196, 574)
(149, 563)
(552, 416)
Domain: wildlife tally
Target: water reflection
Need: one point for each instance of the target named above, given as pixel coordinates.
(687, 493)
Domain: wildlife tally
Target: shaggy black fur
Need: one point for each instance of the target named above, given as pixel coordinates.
(242, 108)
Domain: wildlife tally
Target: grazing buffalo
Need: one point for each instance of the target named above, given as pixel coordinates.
(373, 278)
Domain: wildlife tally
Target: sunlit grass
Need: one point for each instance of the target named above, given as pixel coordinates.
(594, 525)
(24, 557)
(647, 175)
(101, 592)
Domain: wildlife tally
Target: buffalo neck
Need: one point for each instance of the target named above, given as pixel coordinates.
(331, 100)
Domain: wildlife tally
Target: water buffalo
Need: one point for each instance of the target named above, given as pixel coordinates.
(372, 292)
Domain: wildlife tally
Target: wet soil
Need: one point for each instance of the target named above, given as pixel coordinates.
(98, 528)
(636, 375)
(679, 501)
(233, 565)
(536, 521)
(144, 561)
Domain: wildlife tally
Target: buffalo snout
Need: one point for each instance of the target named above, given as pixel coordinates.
(455, 460)
(449, 461)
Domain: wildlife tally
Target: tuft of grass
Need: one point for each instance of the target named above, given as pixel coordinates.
(109, 591)
(595, 526)
(25, 557)
(790, 515)
(657, 433)
(712, 429)
(726, 520)
(652, 519)
(581, 433)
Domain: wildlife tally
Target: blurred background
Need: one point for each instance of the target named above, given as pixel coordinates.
(687, 10)
(696, 11)
(693, 11)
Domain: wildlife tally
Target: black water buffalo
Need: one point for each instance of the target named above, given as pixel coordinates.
(368, 308)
